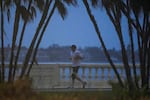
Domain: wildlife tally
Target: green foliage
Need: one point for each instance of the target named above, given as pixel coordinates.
(78, 95)
(127, 94)
(19, 90)
(90, 95)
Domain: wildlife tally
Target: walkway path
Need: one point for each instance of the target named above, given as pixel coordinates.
(73, 89)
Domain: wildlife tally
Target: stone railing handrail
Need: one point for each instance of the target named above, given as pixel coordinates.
(58, 75)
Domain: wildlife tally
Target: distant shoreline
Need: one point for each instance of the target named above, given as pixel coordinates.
(70, 63)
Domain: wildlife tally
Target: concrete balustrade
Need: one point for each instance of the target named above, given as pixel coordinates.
(59, 75)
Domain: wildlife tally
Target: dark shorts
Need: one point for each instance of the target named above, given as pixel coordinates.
(75, 69)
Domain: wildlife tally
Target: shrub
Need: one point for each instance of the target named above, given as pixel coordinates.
(126, 94)
(18, 90)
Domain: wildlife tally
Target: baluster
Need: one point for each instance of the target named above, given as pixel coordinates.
(102, 73)
(109, 73)
(63, 73)
(90, 73)
(70, 72)
(83, 72)
(96, 73)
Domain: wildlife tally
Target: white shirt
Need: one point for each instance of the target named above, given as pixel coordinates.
(76, 58)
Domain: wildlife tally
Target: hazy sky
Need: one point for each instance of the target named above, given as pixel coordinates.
(75, 29)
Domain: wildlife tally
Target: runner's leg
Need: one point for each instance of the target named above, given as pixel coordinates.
(73, 76)
(79, 79)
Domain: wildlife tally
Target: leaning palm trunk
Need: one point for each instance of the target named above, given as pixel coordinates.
(125, 59)
(18, 51)
(146, 39)
(132, 46)
(148, 63)
(20, 43)
(146, 28)
(63, 12)
(2, 68)
(140, 47)
(15, 32)
(143, 44)
(133, 56)
(40, 38)
(148, 52)
(29, 52)
(142, 29)
(140, 38)
(116, 21)
(102, 42)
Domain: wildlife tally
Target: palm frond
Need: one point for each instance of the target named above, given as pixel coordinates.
(8, 14)
(40, 4)
(33, 12)
(61, 9)
(7, 3)
(135, 5)
(146, 6)
(17, 2)
(25, 1)
(24, 13)
(95, 3)
(107, 3)
(73, 2)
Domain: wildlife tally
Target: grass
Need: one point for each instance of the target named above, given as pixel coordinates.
(87, 95)
(21, 90)
(81, 95)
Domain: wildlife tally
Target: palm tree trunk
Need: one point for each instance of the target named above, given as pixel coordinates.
(141, 50)
(146, 46)
(132, 46)
(29, 53)
(148, 50)
(133, 56)
(116, 22)
(148, 62)
(139, 35)
(20, 42)
(125, 60)
(15, 32)
(1, 39)
(102, 42)
(0, 76)
(40, 38)
(2, 70)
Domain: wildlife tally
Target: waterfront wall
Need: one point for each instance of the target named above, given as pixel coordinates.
(59, 75)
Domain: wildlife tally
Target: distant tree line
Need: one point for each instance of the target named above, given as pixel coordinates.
(57, 53)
